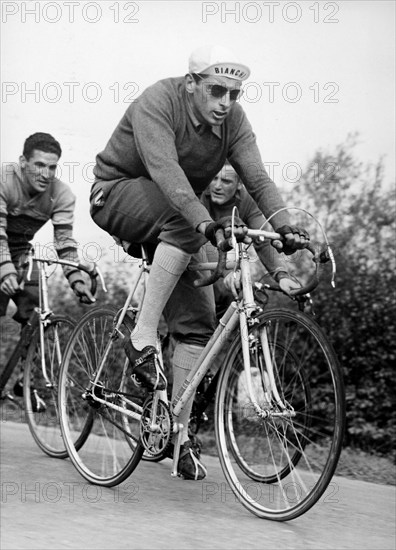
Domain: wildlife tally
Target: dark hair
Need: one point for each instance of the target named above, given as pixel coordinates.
(41, 142)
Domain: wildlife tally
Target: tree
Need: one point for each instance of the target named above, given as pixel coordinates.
(358, 212)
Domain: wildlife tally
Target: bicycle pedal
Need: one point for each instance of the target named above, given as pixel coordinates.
(8, 396)
(38, 404)
(39, 408)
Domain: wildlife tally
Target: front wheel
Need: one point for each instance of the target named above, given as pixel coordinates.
(41, 394)
(280, 450)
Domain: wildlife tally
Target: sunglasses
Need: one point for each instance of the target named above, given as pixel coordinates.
(217, 91)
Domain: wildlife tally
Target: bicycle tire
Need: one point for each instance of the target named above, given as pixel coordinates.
(44, 424)
(279, 466)
(106, 458)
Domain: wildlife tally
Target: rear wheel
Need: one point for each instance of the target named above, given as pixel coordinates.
(41, 395)
(279, 457)
(112, 407)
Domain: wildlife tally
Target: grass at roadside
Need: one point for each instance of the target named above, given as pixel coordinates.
(356, 464)
(353, 464)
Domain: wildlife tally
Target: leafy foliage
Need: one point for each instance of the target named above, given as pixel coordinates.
(358, 213)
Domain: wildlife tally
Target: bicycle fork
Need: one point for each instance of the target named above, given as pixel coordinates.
(43, 318)
(272, 404)
(247, 317)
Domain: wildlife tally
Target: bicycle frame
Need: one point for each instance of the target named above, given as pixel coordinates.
(43, 311)
(241, 313)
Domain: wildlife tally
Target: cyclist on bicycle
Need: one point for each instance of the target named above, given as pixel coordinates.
(30, 195)
(225, 192)
(166, 149)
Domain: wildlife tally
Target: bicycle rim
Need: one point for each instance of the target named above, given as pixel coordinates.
(40, 396)
(107, 456)
(280, 458)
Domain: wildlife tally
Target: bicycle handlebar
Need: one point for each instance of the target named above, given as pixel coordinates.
(92, 271)
(318, 257)
(206, 280)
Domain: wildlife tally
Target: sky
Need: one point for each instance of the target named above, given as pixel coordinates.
(319, 71)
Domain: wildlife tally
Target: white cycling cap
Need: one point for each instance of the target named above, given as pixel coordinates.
(215, 60)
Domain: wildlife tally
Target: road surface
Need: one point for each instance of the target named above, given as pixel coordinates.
(46, 504)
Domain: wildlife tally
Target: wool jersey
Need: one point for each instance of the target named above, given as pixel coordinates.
(160, 138)
(22, 215)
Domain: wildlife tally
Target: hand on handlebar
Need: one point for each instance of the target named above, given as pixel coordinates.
(232, 282)
(294, 238)
(10, 285)
(82, 292)
(225, 226)
(288, 284)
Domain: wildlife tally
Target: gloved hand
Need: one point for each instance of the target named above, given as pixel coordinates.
(224, 224)
(81, 290)
(294, 238)
(232, 282)
(287, 283)
(10, 285)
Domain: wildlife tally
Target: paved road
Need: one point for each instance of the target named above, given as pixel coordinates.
(46, 504)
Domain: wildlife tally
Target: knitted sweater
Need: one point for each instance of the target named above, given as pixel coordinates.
(21, 216)
(159, 138)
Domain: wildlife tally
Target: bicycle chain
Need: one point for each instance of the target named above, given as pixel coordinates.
(101, 409)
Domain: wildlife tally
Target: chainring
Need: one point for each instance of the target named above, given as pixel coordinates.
(156, 433)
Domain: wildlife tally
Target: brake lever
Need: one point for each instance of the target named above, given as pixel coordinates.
(101, 278)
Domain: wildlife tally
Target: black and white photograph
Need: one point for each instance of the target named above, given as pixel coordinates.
(197, 275)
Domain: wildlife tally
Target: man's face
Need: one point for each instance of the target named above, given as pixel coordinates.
(208, 106)
(224, 186)
(39, 169)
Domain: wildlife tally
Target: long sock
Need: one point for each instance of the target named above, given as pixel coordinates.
(184, 359)
(168, 264)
